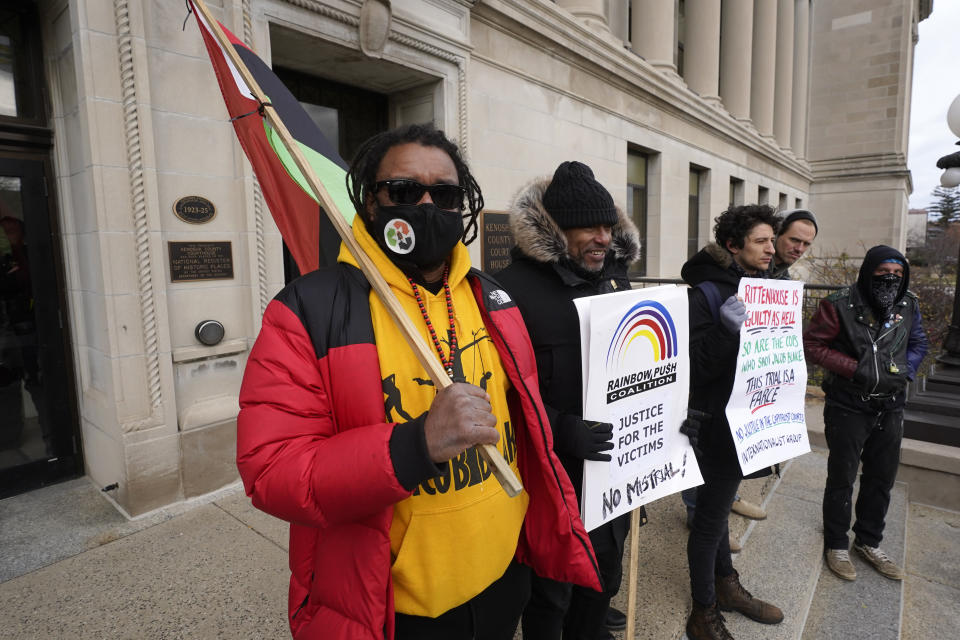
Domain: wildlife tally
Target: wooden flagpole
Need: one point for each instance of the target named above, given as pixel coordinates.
(501, 470)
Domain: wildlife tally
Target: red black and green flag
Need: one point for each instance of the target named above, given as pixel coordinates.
(309, 236)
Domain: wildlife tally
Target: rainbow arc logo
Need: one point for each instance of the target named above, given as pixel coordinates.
(649, 321)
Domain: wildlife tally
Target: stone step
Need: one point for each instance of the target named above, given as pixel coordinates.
(782, 562)
(945, 402)
(871, 607)
(931, 426)
(663, 582)
(782, 554)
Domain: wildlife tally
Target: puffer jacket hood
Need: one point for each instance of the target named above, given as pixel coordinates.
(540, 238)
(876, 256)
(710, 263)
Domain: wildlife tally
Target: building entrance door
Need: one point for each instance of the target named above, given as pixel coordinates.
(38, 443)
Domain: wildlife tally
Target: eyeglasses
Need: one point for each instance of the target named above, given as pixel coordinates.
(404, 191)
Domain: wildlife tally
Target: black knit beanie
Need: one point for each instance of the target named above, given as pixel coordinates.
(574, 198)
(792, 215)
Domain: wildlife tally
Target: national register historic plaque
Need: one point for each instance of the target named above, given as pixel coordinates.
(192, 261)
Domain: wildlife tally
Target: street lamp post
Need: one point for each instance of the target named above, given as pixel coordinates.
(934, 402)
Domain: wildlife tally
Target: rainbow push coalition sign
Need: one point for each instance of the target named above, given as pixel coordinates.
(651, 324)
(636, 375)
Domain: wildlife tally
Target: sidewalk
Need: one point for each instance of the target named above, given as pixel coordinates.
(72, 567)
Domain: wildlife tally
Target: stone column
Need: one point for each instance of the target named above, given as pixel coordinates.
(736, 45)
(801, 78)
(590, 11)
(764, 65)
(783, 83)
(654, 32)
(618, 19)
(702, 49)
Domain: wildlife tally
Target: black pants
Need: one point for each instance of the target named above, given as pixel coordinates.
(852, 437)
(560, 609)
(708, 547)
(493, 614)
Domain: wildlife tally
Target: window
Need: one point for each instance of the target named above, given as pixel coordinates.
(736, 191)
(783, 202)
(20, 66)
(763, 195)
(693, 211)
(681, 34)
(637, 204)
(797, 203)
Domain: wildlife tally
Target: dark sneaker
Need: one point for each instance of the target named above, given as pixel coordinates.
(838, 561)
(880, 561)
(706, 623)
(731, 596)
(615, 620)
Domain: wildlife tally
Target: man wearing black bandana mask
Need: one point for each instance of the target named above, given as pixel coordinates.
(869, 338)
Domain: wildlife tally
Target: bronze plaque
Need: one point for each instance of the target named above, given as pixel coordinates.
(192, 261)
(496, 240)
(194, 209)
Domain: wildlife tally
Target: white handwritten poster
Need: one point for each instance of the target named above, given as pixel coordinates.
(766, 407)
(636, 374)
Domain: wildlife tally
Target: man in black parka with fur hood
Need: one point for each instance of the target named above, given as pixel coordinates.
(572, 242)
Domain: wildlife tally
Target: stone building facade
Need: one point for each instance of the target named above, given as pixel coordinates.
(680, 106)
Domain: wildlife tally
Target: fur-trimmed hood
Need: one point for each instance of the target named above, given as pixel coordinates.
(710, 263)
(541, 239)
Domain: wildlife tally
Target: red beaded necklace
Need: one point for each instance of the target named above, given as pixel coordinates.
(448, 361)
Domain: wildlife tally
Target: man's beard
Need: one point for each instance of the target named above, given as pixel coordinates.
(582, 262)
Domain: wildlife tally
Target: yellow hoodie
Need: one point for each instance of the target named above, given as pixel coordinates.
(458, 532)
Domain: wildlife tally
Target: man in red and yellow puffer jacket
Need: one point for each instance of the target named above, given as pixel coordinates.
(397, 529)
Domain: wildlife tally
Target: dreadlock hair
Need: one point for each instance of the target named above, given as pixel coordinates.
(362, 175)
(735, 223)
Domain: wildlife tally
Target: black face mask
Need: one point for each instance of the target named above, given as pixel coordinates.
(885, 289)
(416, 235)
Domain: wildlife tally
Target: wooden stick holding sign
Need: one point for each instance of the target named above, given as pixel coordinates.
(501, 470)
(634, 564)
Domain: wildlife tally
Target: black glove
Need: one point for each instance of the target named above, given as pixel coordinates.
(690, 427)
(584, 439)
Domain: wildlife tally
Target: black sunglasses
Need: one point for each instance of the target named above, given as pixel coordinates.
(405, 191)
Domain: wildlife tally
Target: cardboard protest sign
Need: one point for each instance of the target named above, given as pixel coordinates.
(636, 376)
(766, 407)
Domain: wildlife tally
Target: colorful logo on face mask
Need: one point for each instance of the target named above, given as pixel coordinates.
(399, 236)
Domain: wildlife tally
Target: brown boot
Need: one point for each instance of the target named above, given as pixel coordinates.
(731, 596)
(706, 623)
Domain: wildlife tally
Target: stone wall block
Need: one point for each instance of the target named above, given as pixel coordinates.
(127, 324)
(209, 458)
(98, 16)
(113, 190)
(182, 84)
(130, 374)
(111, 142)
(79, 190)
(186, 145)
(153, 475)
(105, 65)
(193, 302)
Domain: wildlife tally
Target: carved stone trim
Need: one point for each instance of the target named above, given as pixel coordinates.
(413, 43)
(131, 127)
(257, 192)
